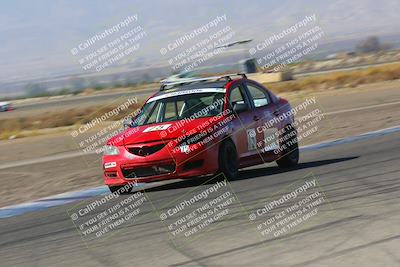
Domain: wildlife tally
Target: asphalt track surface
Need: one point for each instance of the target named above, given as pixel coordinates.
(357, 225)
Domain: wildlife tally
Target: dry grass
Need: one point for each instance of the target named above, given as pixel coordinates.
(340, 79)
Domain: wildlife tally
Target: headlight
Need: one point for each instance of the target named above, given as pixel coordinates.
(111, 150)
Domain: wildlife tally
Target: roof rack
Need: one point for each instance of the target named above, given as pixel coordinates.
(227, 77)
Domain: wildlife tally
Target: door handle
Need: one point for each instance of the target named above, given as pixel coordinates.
(256, 118)
(276, 113)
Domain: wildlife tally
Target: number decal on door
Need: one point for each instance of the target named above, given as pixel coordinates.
(251, 139)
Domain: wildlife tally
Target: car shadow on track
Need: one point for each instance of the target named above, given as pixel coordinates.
(248, 174)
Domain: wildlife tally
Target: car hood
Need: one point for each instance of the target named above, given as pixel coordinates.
(160, 131)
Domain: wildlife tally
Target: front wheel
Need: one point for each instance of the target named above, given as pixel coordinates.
(228, 160)
(291, 148)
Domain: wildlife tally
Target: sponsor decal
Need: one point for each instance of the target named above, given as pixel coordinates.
(187, 92)
(157, 128)
(185, 149)
(110, 165)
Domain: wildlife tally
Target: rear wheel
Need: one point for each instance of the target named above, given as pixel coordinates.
(122, 190)
(228, 160)
(291, 155)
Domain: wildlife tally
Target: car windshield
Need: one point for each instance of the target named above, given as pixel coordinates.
(186, 106)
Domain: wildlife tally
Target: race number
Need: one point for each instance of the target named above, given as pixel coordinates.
(251, 139)
(157, 128)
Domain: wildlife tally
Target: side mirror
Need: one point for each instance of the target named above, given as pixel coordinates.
(238, 108)
(127, 122)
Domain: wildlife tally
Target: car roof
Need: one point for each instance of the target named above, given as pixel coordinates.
(200, 85)
(211, 82)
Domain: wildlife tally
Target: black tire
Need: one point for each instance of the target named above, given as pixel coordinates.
(228, 160)
(291, 154)
(120, 190)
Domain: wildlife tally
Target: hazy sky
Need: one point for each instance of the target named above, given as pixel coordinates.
(36, 36)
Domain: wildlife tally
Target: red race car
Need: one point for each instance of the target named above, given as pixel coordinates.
(198, 127)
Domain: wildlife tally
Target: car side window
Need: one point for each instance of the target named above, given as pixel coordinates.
(154, 115)
(236, 96)
(171, 111)
(259, 96)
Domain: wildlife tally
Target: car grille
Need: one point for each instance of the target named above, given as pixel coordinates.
(138, 172)
(144, 151)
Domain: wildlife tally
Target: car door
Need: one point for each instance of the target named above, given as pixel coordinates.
(243, 130)
(267, 120)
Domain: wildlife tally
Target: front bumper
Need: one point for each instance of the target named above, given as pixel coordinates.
(164, 165)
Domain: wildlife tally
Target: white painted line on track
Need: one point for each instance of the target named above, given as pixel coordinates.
(351, 139)
(362, 108)
(24, 162)
(354, 109)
